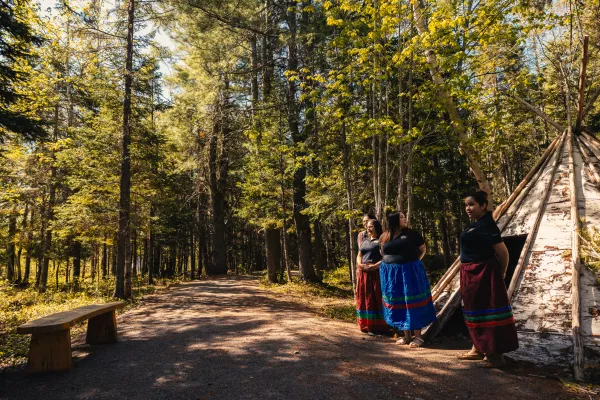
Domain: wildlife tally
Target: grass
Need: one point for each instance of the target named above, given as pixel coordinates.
(19, 305)
(333, 298)
(590, 250)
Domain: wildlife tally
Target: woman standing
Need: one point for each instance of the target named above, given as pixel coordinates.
(407, 303)
(486, 307)
(369, 313)
(363, 234)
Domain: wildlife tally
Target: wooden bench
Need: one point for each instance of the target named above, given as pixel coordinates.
(50, 348)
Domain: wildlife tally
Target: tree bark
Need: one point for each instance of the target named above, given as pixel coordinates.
(301, 220)
(219, 264)
(125, 183)
(28, 249)
(49, 212)
(76, 252)
(318, 250)
(351, 253)
(273, 250)
(104, 259)
(10, 248)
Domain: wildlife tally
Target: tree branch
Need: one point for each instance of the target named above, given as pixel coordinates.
(538, 112)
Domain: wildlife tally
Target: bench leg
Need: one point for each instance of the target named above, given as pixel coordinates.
(102, 329)
(50, 352)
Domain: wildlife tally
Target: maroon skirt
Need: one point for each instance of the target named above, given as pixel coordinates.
(369, 304)
(486, 308)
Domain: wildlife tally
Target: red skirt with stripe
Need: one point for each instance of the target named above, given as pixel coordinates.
(369, 304)
(486, 307)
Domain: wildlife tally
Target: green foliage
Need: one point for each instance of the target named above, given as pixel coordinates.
(20, 305)
(17, 54)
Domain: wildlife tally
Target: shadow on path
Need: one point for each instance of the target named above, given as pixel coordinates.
(226, 338)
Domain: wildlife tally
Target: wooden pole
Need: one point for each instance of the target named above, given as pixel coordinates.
(580, 108)
(583, 147)
(538, 219)
(578, 356)
(498, 213)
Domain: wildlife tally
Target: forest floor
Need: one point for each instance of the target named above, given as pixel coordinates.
(231, 338)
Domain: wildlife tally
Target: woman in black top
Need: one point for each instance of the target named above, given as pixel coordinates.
(407, 303)
(486, 307)
(369, 314)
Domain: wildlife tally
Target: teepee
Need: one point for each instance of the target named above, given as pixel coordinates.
(555, 299)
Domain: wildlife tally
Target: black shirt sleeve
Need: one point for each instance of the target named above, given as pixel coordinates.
(418, 239)
(491, 235)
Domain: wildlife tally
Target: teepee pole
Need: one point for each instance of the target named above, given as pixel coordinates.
(541, 164)
(578, 357)
(498, 213)
(581, 96)
(538, 219)
(583, 146)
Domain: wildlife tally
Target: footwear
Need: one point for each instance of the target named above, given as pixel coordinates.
(417, 342)
(468, 356)
(494, 362)
(403, 341)
(371, 334)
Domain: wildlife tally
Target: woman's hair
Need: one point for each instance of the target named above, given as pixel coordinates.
(393, 223)
(369, 215)
(480, 197)
(377, 227)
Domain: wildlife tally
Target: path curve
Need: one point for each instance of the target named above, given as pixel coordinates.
(229, 339)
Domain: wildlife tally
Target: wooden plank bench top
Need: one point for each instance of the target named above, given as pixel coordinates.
(66, 319)
(50, 345)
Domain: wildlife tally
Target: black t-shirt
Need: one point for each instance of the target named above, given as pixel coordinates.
(370, 250)
(405, 247)
(477, 241)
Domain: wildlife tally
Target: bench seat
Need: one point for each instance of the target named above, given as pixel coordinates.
(50, 348)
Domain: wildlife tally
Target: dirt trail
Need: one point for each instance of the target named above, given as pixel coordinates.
(227, 338)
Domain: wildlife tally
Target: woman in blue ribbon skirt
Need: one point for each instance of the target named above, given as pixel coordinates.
(407, 303)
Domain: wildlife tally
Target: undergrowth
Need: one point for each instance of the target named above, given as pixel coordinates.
(19, 305)
(590, 250)
(332, 298)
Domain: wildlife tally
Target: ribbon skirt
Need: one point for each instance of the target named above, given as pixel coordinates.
(369, 313)
(407, 303)
(486, 308)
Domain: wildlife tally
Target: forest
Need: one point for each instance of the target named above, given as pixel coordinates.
(260, 135)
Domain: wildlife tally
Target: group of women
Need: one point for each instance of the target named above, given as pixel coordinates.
(392, 288)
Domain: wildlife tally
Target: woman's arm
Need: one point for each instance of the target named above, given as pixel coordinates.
(423, 249)
(359, 264)
(502, 253)
(372, 267)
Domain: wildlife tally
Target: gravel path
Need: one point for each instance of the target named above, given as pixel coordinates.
(228, 339)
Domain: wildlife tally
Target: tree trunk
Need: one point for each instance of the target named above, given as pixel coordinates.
(254, 75)
(192, 256)
(318, 250)
(134, 254)
(125, 183)
(450, 107)
(29, 248)
(10, 248)
(299, 136)
(352, 252)
(104, 259)
(76, 252)
(273, 247)
(219, 265)
(49, 212)
(267, 54)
